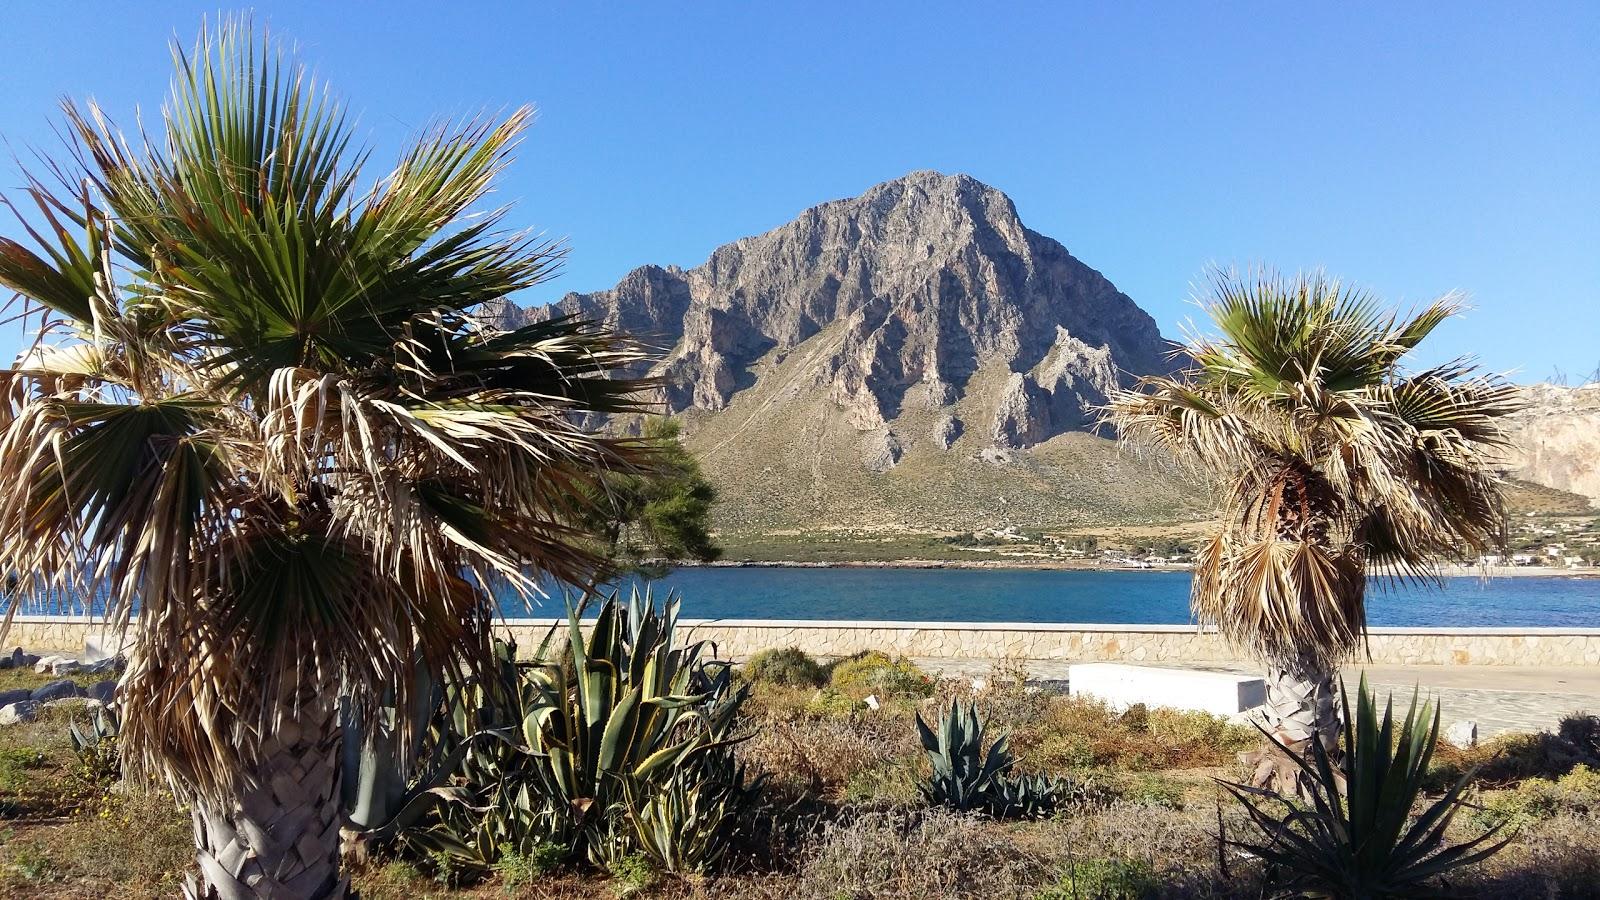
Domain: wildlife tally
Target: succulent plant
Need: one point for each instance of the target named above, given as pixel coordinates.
(963, 775)
(1029, 796)
(1354, 835)
(618, 742)
(964, 778)
(96, 745)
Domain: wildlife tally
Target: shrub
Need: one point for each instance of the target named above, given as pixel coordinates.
(833, 703)
(1103, 879)
(905, 855)
(1582, 731)
(876, 674)
(1075, 732)
(1536, 799)
(789, 666)
(895, 782)
(1356, 838)
(1507, 759)
(1153, 790)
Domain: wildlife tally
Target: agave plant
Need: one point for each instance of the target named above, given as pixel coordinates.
(965, 778)
(963, 775)
(96, 745)
(1357, 838)
(265, 411)
(1037, 796)
(687, 824)
(398, 761)
(622, 743)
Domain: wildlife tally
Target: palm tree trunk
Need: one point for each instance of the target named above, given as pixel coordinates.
(1301, 706)
(279, 838)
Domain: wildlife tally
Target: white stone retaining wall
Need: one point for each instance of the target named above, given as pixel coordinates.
(738, 638)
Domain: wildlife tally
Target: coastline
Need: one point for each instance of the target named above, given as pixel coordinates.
(1088, 566)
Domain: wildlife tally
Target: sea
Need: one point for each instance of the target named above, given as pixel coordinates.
(898, 594)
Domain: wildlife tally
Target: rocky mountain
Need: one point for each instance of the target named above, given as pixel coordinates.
(1557, 439)
(920, 324)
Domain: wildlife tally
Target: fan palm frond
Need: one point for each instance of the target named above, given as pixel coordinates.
(1331, 455)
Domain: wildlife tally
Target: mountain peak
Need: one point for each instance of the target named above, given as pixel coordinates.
(924, 298)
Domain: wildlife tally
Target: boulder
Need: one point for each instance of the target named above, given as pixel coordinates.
(55, 690)
(105, 666)
(78, 702)
(103, 691)
(17, 713)
(17, 696)
(1462, 734)
(66, 667)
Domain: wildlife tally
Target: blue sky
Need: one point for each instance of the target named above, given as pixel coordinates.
(1411, 149)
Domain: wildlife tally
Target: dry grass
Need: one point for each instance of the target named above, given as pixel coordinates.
(845, 821)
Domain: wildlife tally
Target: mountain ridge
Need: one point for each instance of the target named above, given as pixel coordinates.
(933, 277)
(917, 358)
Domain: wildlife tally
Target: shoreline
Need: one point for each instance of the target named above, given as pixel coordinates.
(1064, 565)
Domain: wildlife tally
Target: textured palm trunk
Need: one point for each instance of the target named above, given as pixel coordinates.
(1302, 706)
(279, 838)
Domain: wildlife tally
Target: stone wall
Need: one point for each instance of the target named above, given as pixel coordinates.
(1150, 644)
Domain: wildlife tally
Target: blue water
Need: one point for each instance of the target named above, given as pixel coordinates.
(1017, 595)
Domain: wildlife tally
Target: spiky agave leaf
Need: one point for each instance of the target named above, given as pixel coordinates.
(1357, 837)
(269, 418)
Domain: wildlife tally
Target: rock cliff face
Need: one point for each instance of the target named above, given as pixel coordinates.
(923, 295)
(1557, 440)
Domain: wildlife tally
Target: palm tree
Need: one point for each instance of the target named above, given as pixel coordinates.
(263, 415)
(1332, 459)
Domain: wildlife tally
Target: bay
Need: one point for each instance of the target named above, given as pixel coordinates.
(1077, 596)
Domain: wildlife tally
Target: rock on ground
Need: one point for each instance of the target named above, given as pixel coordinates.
(55, 690)
(17, 713)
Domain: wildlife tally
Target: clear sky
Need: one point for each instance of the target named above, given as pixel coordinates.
(1410, 147)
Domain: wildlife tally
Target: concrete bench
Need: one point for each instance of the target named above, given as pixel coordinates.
(1121, 686)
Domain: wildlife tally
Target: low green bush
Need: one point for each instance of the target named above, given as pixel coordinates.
(1537, 799)
(876, 674)
(522, 869)
(1153, 790)
(631, 875)
(833, 703)
(788, 666)
(15, 763)
(895, 782)
(1103, 879)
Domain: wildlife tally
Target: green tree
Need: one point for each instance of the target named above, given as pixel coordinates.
(651, 519)
(263, 412)
(1332, 458)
